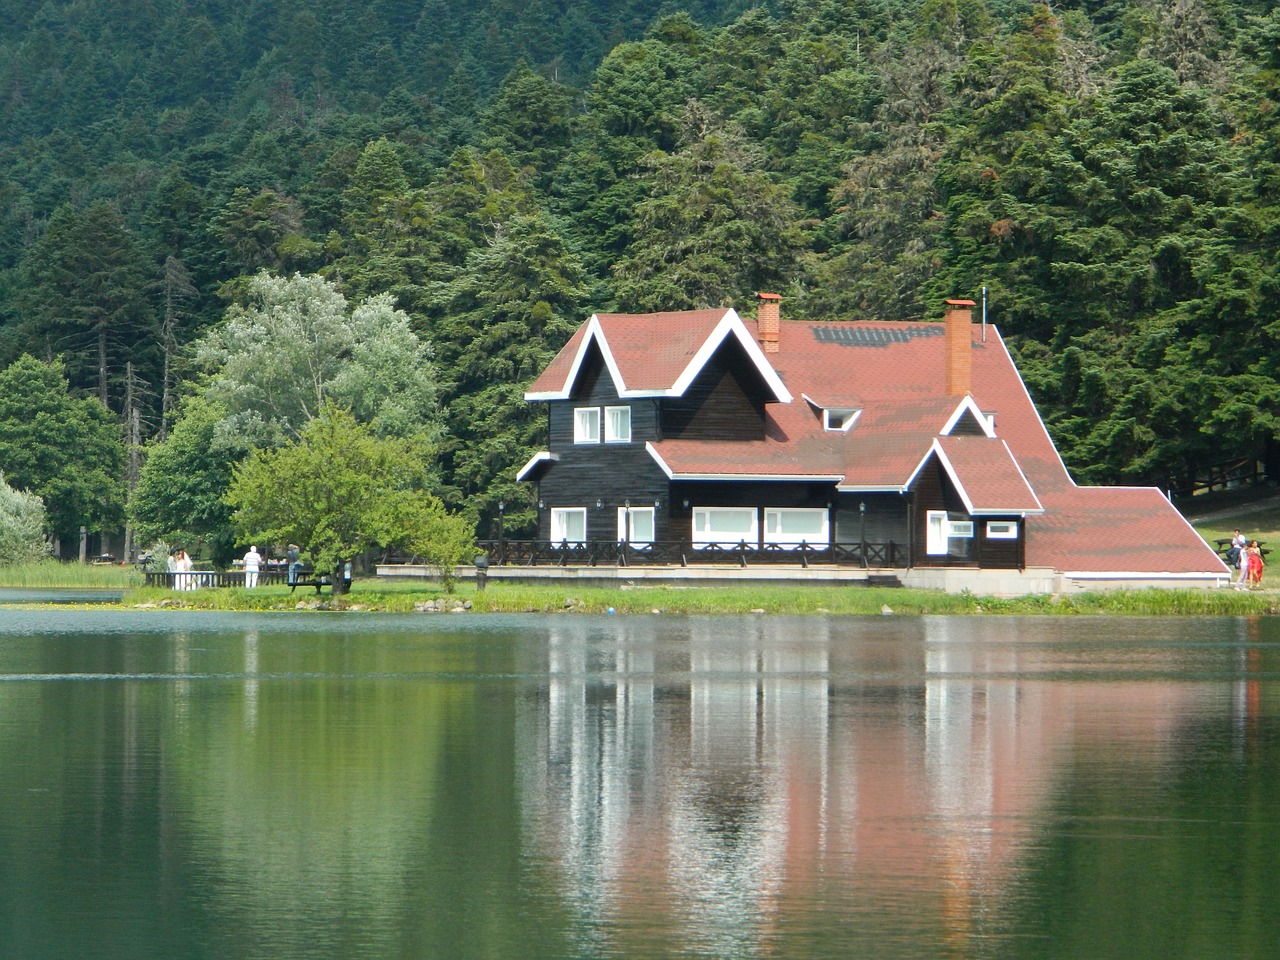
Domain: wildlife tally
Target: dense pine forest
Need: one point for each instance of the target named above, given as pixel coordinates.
(461, 184)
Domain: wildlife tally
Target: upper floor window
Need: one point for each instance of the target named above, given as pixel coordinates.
(586, 425)
(617, 424)
(834, 418)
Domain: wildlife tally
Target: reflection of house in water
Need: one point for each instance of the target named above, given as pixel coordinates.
(706, 782)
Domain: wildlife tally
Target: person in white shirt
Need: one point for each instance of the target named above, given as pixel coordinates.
(252, 564)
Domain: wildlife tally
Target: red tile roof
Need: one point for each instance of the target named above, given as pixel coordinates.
(654, 354)
(987, 475)
(893, 374)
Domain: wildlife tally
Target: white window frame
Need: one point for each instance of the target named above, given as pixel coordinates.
(618, 436)
(959, 529)
(586, 424)
(702, 520)
(773, 521)
(839, 419)
(560, 517)
(1002, 530)
(627, 532)
(935, 533)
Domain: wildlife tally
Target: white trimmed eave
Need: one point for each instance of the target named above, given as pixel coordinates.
(968, 404)
(594, 332)
(730, 323)
(535, 461)
(673, 474)
(1223, 574)
(936, 447)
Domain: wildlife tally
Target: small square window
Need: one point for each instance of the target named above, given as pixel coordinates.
(586, 425)
(1002, 530)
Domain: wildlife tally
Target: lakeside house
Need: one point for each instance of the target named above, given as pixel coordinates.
(699, 439)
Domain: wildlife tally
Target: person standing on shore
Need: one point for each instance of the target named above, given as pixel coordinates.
(252, 564)
(1255, 564)
(295, 561)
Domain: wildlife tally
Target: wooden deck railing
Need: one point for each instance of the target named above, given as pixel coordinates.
(591, 553)
(212, 578)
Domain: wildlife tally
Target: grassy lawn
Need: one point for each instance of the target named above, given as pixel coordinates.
(395, 597)
(1257, 522)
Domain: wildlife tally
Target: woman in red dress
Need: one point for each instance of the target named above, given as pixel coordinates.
(1255, 564)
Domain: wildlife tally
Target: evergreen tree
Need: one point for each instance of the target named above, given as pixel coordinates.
(504, 318)
(714, 229)
(65, 449)
(83, 299)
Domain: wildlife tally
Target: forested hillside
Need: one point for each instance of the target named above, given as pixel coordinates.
(1109, 170)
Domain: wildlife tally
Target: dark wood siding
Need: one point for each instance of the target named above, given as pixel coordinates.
(726, 402)
(967, 426)
(933, 490)
(609, 472)
(595, 387)
(886, 518)
(1002, 554)
(706, 493)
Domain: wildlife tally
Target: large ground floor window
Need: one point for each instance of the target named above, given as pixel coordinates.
(568, 523)
(635, 524)
(725, 525)
(792, 526)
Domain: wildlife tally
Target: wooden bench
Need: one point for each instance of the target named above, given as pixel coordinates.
(307, 577)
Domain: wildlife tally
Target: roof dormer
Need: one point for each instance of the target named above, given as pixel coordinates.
(835, 418)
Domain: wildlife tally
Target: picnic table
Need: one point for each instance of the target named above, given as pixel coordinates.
(1224, 546)
(308, 577)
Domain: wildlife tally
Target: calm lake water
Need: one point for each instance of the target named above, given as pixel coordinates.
(351, 786)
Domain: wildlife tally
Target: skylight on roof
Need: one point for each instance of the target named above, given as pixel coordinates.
(874, 336)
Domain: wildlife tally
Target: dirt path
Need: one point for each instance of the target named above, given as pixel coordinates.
(1237, 510)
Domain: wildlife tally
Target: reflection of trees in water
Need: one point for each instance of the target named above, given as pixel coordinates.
(307, 797)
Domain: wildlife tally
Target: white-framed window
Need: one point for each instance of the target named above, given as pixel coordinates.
(725, 525)
(635, 524)
(568, 523)
(792, 526)
(834, 418)
(1002, 530)
(935, 532)
(944, 536)
(617, 424)
(586, 425)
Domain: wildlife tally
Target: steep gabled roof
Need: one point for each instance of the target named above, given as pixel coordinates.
(653, 355)
(892, 373)
(986, 475)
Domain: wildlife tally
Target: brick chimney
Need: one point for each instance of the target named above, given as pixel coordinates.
(959, 343)
(767, 320)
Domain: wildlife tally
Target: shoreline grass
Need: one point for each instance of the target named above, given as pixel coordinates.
(400, 596)
(54, 574)
(380, 596)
